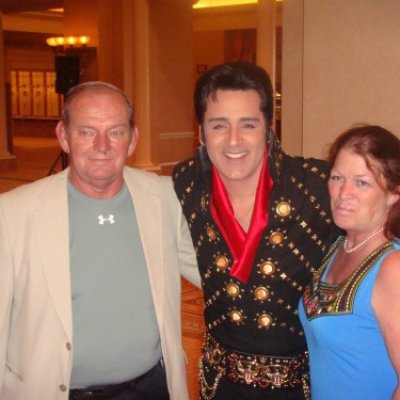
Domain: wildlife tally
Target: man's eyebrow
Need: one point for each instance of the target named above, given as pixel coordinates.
(254, 119)
(119, 126)
(86, 126)
(213, 119)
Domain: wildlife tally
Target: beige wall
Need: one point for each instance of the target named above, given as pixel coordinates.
(209, 26)
(29, 59)
(171, 77)
(110, 50)
(340, 67)
(208, 48)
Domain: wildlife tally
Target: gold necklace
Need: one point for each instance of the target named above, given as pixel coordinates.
(359, 245)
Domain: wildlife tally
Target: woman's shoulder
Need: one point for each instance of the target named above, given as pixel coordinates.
(389, 271)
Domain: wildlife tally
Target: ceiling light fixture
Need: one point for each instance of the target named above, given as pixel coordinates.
(221, 3)
(68, 41)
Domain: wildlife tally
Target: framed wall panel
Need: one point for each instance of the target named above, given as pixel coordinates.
(33, 95)
(53, 100)
(38, 94)
(14, 96)
(24, 85)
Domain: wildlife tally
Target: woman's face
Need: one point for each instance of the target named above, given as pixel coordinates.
(360, 204)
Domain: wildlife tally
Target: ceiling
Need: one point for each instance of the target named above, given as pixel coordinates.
(25, 40)
(12, 6)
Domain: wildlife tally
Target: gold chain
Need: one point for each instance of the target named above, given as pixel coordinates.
(203, 383)
(306, 386)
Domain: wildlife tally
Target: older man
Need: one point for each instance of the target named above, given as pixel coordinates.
(90, 263)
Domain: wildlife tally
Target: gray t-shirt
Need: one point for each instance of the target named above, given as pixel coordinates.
(115, 332)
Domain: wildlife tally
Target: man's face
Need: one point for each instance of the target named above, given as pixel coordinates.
(98, 140)
(234, 133)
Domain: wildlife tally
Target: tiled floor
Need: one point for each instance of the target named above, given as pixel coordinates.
(35, 158)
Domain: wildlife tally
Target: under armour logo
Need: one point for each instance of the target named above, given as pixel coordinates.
(103, 219)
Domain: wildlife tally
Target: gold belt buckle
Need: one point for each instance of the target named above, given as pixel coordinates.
(264, 375)
(275, 374)
(247, 370)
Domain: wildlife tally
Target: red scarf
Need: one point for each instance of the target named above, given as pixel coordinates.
(242, 245)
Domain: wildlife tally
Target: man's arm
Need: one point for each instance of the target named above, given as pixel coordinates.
(187, 256)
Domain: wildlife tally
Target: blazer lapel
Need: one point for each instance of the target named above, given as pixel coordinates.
(147, 206)
(51, 224)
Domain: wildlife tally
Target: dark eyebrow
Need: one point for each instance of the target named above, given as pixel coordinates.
(249, 119)
(217, 119)
(224, 119)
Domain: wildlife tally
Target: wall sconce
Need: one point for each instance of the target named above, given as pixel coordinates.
(69, 41)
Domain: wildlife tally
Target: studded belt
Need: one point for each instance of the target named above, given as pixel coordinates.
(261, 371)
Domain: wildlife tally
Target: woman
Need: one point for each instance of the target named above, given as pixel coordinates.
(351, 310)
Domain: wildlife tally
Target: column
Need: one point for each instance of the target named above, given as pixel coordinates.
(82, 18)
(141, 74)
(292, 76)
(266, 36)
(170, 77)
(7, 161)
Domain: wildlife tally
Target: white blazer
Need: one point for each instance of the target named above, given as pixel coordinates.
(36, 343)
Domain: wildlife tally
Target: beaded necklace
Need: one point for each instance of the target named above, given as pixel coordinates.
(359, 245)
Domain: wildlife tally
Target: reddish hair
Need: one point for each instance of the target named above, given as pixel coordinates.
(381, 151)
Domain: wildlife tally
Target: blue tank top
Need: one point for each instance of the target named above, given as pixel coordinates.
(348, 357)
